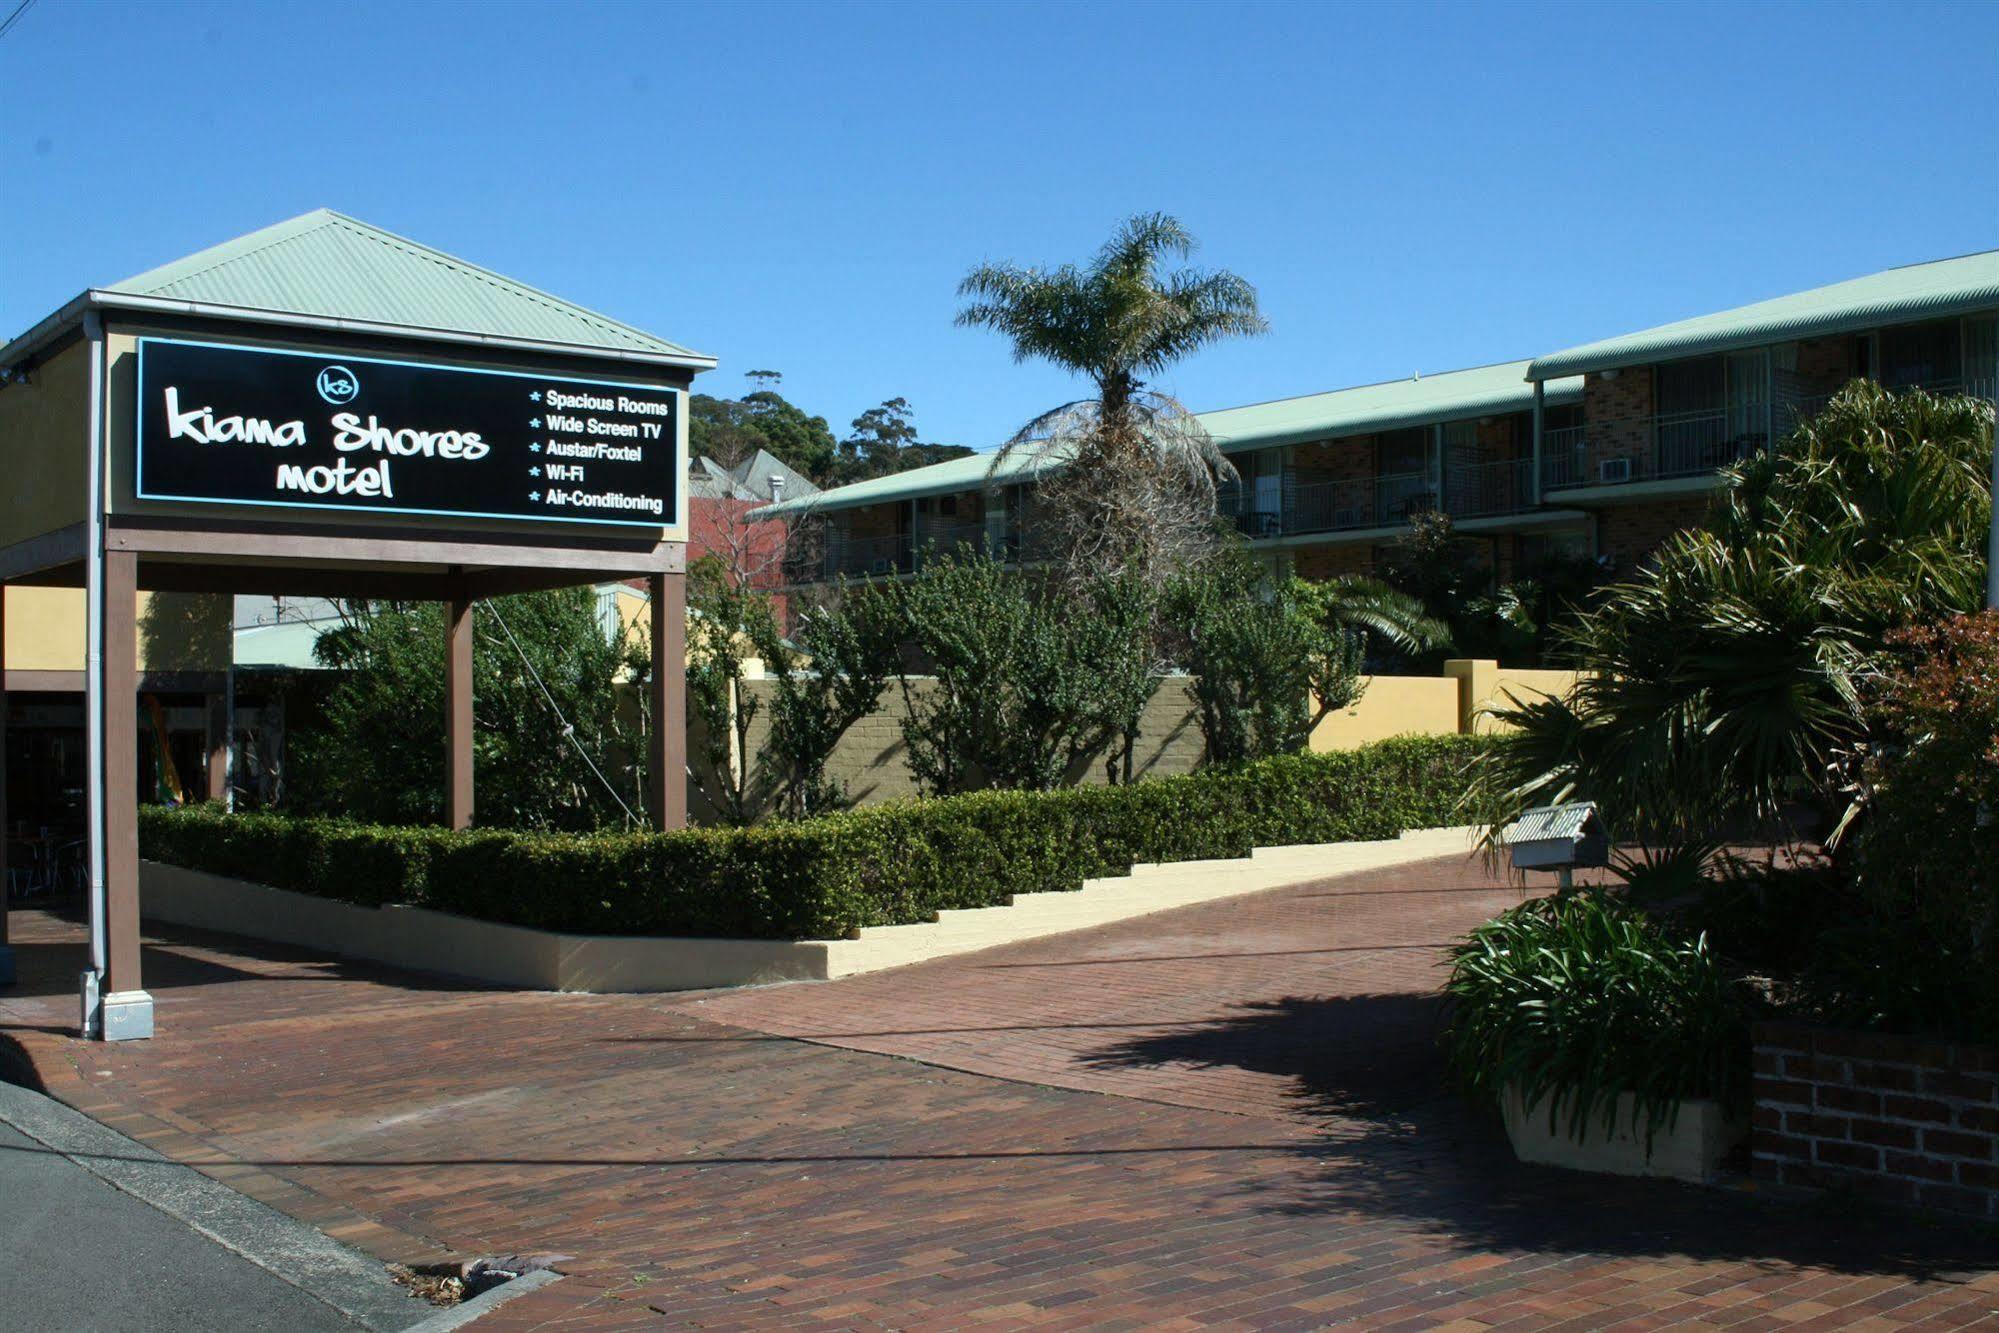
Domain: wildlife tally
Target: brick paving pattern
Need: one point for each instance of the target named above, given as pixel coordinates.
(945, 1148)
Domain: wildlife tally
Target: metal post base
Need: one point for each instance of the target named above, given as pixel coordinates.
(6, 963)
(128, 1015)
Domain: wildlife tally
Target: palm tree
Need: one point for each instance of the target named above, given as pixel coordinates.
(1382, 616)
(1136, 466)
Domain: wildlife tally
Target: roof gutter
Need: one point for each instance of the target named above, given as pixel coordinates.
(61, 322)
(1668, 347)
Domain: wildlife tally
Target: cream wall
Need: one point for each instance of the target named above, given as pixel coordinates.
(43, 424)
(177, 631)
(1485, 684)
(873, 762)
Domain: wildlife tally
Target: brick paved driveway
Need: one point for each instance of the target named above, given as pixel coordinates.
(1226, 1116)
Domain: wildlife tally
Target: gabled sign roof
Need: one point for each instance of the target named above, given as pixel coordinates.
(327, 269)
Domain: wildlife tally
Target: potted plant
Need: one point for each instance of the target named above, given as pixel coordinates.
(1608, 1043)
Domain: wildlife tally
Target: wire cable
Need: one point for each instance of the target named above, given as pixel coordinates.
(568, 731)
(7, 24)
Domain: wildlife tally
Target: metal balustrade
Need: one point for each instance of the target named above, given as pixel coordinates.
(1690, 444)
(1484, 490)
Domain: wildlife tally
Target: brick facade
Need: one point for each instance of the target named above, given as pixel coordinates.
(1618, 412)
(1325, 562)
(1825, 364)
(1628, 534)
(1898, 1119)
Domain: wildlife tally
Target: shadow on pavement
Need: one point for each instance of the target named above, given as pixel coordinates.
(1400, 1145)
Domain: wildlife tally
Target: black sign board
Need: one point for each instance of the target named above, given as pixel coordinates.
(253, 426)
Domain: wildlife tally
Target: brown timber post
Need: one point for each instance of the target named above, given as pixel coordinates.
(458, 715)
(121, 776)
(667, 682)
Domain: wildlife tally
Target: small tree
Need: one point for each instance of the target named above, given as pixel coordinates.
(1125, 619)
(844, 655)
(724, 623)
(552, 748)
(1018, 696)
(1269, 660)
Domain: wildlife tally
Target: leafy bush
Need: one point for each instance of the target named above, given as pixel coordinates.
(1579, 999)
(544, 695)
(1914, 944)
(821, 878)
(1725, 683)
(1030, 677)
(1930, 851)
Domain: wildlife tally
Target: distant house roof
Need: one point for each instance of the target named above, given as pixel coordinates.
(1420, 400)
(748, 480)
(1904, 295)
(325, 268)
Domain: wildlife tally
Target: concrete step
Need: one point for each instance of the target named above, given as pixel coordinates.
(1148, 889)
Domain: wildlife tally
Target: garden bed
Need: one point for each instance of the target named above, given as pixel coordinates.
(823, 879)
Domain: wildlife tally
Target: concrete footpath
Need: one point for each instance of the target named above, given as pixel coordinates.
(99, 1232)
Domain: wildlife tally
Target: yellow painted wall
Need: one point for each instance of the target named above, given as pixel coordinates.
(1391, 706)
(1485, 684)
(43, 424)
(177, 631)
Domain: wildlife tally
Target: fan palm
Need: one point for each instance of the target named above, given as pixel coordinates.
(1727, 680)
(1385, 617)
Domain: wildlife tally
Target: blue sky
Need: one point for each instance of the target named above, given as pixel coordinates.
(800, 186)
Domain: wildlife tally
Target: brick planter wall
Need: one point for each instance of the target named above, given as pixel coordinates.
(1898, 1119)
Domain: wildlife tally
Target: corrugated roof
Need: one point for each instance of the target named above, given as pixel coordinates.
(1418, 401)
(969, 473)
(1934, 290)
(1552, 821)
(327, 265)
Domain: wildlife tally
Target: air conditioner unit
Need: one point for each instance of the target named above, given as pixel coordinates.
(882, 565)
(1612, 470)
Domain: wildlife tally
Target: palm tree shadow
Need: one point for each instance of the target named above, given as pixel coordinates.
(1399, 1145)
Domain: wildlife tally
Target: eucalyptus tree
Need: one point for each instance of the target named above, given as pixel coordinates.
(1134, 487)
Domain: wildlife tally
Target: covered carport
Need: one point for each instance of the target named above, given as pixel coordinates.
(326, 409)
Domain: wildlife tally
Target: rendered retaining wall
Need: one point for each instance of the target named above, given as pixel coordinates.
(1898, 1119)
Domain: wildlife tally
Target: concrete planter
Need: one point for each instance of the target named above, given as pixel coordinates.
(1690, 1148)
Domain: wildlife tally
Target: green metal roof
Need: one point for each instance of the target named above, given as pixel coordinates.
(326, 265)
(1420, 400)
(1934, 290)
(953, 476)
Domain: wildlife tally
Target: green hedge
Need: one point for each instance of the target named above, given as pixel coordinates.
(820, 878)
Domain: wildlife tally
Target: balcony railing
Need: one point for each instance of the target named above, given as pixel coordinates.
(1687, 444)
(1484, 490)
(1337, 506)
(900, 553)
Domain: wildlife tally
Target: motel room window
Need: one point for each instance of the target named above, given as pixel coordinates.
(1921, 354)
(1691, 386)
(1402, 452)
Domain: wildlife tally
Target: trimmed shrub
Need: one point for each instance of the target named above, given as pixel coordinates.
(821, 878)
